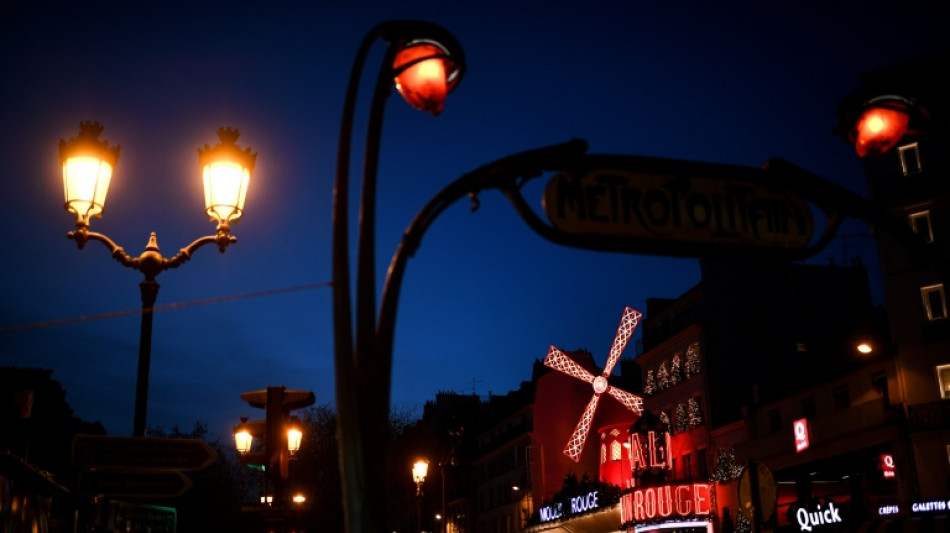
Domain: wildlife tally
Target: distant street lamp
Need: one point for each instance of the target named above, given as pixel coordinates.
(280, 433)
(88, 164)
(419, 470)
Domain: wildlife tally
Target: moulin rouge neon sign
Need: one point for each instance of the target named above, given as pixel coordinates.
(665, 501)
(648, 503)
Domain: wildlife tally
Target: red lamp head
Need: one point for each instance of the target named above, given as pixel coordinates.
(424, 74)
(879, 129)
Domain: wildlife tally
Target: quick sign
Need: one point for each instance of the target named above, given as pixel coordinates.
(887, 466)
(821, 516)
(649, 199)
(800, 428)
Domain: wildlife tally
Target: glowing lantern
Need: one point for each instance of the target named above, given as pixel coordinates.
(88, 163)
(226, 171)
(294, 436)
(419, 470)
(879, 129)
(424, 75)
(242, 441)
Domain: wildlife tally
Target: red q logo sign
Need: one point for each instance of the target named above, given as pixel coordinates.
(887, 465)
(800, 427)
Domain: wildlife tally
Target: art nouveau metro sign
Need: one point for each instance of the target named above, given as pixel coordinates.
(683, 206)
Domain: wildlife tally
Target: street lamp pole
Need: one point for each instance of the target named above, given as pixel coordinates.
(88, 163)
(426, 62)
(419, 470)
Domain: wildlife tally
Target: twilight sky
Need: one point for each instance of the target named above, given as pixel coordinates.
(484, 297)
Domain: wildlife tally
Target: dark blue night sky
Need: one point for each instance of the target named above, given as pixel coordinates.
(737, 82)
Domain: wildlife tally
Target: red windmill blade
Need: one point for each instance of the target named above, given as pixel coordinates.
(562, 363)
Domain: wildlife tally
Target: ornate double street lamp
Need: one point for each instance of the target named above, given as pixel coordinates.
(88, 164)
(279, 433)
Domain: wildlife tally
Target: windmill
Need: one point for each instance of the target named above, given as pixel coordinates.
(562, 363)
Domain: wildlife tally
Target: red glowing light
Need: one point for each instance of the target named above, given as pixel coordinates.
(800, 428)
(424, 84)
(887, 465)
(879, 130)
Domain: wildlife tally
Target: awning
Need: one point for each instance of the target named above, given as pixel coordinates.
(908, 524)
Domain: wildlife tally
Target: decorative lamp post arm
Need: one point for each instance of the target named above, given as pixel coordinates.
(223, 239)
(82, 235)
(506, 174)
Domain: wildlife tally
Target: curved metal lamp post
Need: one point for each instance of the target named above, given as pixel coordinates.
(424, 62)
(88, 163)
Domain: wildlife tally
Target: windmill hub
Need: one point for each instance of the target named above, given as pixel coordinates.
(600, 384)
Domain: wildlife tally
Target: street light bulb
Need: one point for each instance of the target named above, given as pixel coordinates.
(86, 182)
(226, 172)
(88, 163)
(423, 76)
(419, 471)
(865, 348)
(225, 185)
(879, 129)
(242, 441)
(294, 437)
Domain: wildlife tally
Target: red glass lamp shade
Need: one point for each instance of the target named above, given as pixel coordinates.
(879, 129)
(424, 75)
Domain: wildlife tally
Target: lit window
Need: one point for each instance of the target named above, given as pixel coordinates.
(920, 223)
(603, 453)
(616, 450)
(943, 378)
(910, 158)
(935, 302)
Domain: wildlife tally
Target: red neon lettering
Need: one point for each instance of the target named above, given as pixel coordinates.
(664, 501)
(638, 460)
(638, 512)
(658, 455)
(684, 504)
(701, 497)
(649, 500)
(626, 508)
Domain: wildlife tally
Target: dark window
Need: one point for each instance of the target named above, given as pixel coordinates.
(935, 303)
(879, 382)
(842, 397)
(775, 420)
(808, 407)
(910, 158)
